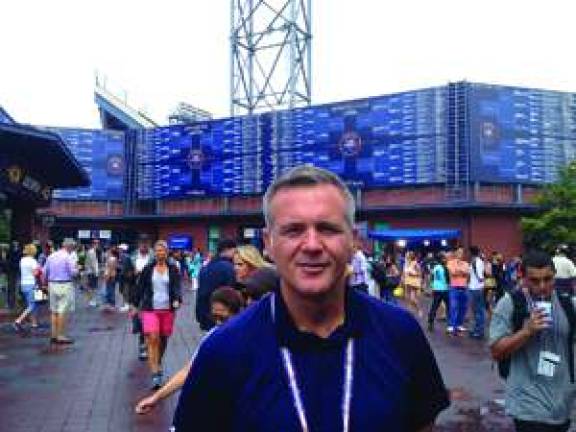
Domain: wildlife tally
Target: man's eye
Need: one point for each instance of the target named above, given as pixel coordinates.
(291, 231)
(329, 229)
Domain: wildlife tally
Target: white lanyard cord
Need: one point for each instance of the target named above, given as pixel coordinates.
(296, 396)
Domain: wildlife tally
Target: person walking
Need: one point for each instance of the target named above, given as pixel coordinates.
(315, 355)
(29, 271)
(58, 272)
(565, 276)
(412, 277)
(533, 330)
(225, 302)
(157, 297)
(217, 273)
(440, 283)
(110, 279)
(459, 272)
(92, 269)
(142, 257)
(476, 292)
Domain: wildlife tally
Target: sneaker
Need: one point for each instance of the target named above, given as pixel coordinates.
(450, 329)
(143, 354)
(92, 303)
(462, 329)
(124, 308)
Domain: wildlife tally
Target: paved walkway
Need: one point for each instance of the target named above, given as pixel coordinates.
(93, 385)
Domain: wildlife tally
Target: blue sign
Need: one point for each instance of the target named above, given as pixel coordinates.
(102, 154)
(180, 242)
(397, 139)
(520, 135)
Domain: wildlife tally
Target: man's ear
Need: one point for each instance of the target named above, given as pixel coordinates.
(268, 241)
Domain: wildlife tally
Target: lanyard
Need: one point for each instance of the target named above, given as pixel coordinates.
(295, 390)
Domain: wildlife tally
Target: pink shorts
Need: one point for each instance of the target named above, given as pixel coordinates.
(158, 321)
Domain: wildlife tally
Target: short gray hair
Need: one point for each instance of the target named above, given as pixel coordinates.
(307, 176)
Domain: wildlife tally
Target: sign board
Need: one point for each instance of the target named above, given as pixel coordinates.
(105, 234)
(84, 234)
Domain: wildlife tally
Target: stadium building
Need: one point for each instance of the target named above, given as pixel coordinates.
(458, 163)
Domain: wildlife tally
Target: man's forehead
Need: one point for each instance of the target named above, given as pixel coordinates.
(539, 270)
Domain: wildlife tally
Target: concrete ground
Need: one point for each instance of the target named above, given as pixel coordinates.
(93, 384)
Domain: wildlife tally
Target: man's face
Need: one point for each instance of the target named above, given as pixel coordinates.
(310, 240)
(143, 248)
(539, 281)
(220, 313)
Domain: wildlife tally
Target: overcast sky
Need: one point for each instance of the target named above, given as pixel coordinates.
(178, 50)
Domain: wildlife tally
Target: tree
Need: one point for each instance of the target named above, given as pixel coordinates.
(556, 221)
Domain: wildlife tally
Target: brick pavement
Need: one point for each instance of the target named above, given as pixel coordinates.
(93, 385)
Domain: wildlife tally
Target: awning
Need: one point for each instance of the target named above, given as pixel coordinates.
(414, 234)
(44, 153)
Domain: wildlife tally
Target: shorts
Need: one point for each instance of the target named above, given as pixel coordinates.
(61, 297)
(28, 294)
(157, 321)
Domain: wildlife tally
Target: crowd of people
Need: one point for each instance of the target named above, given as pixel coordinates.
(311, 309)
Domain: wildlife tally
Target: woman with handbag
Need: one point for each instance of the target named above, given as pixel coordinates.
(29, 270)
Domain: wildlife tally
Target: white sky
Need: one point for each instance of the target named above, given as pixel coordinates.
(163, 52)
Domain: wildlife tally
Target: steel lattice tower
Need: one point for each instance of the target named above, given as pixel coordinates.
(270, 55)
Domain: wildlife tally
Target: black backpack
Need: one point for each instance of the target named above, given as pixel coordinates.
(520, 313)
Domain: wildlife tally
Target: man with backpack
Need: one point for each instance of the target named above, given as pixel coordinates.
(532, 338)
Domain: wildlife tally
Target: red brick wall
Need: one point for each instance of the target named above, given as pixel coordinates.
(192, 206)
(496, 194)
(396, 197)
(246, 204)
(85, 208)
(497, 232)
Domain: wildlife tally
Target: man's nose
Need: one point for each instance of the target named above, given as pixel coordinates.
(312, 240)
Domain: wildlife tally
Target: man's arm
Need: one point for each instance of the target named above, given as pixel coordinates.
(507, 345)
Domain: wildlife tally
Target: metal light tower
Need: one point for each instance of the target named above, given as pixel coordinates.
(270, 55)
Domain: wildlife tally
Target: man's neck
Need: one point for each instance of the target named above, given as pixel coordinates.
(319, 315)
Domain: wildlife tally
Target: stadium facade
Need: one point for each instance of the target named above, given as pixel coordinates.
(460, 162)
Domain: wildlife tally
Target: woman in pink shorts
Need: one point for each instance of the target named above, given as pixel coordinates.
(157, 296)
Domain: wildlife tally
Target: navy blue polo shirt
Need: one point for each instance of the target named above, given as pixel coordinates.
(238, 381)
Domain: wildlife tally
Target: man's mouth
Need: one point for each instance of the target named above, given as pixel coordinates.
(312, 267)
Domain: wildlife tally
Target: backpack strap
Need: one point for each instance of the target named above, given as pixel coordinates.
(566, 302)
(519, 310)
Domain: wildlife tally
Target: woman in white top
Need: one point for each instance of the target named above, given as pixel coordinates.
(29, 269)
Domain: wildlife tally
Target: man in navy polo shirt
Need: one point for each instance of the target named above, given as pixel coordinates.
(314, 355)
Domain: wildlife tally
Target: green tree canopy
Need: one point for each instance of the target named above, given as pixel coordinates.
(556, 222)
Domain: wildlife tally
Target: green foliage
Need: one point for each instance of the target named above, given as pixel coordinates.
(556, 222)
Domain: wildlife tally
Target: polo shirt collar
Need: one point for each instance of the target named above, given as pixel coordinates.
(290, 336)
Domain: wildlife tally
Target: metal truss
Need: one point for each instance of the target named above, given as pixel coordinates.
(270, 55)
